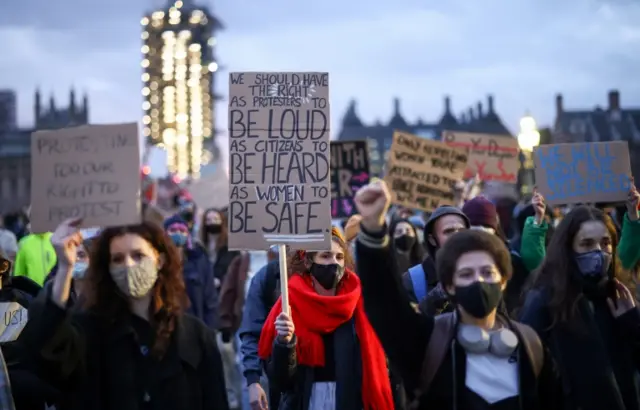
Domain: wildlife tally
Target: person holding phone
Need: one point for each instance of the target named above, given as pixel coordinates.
(585, 315)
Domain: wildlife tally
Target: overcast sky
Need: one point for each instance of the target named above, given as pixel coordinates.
(521, 51)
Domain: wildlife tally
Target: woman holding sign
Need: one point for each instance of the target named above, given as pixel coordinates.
(131, 347)
(325, 356)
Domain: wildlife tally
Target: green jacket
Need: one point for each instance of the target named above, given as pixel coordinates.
(629, 246)
(533, 250)
(36, 257)
(532, 243)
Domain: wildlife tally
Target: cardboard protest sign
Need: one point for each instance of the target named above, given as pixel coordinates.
(15, 318)
(349, 172)
(90, 172)
(279, 170)
(492, 157)
(422, 173)
(583, 172)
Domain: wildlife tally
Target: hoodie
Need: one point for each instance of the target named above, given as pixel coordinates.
(428, 264)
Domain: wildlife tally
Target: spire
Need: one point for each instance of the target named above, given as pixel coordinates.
(37, 106)
(52, 104)
(351, 118)
(447, 120)
(397, 120)
(85, 107)
(490, 104)
(72, 101)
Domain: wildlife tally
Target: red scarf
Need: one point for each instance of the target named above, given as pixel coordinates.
(315, 315)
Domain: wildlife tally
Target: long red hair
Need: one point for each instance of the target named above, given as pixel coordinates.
(169, 293)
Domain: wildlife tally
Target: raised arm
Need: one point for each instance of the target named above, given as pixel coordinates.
(403, 332)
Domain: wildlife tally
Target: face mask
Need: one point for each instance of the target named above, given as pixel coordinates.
(479, 298)
(179, 239)
(136, 281)
(80, 269)
(327, 276)
(594, 263)
(214, 229)
(404, 242)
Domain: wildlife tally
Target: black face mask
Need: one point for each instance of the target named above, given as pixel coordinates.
(479, 298)
(327, 276)
(213, 229)
(405, 242)
(187, 215)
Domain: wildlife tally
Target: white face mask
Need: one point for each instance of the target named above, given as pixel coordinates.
(135, 281)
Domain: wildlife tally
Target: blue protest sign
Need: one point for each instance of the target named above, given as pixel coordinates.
(583, 172)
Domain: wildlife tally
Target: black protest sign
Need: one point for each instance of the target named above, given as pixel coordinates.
(422, 173)
(279, 161)
(349, 172)
(89, 172)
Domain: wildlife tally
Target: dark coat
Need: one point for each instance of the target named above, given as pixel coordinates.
(405, 335)
(102, 366)
(198, 278)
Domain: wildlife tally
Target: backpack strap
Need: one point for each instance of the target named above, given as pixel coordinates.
(439, 343)
(532, 346)
(419, 282)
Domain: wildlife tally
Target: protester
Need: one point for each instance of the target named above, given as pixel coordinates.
(264, 291)
(214, 237)
(407, 250)
(232, 296)
(325, 354)
(585, 315)
(197, 272)
(131, 346)
(483, 215)
(35, 257)
(464, 360)
(8, 245)
(422, 278)
(187, 209)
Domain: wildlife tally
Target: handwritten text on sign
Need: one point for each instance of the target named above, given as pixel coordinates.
(583, 172)
(279, 160)
(422, 173)
(15, 318)
(492, 157)
(349, 172)
(89, 172)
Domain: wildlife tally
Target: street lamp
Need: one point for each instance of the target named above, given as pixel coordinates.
(528, 139)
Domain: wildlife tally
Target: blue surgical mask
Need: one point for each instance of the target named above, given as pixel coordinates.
(80, 269)
(593, 263)
(179, 239)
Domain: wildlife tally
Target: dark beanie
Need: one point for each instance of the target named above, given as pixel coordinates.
(481, 212)
(173, 220)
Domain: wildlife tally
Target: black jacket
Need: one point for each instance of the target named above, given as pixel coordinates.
(102, 366)
(342, 355)
(405, 334)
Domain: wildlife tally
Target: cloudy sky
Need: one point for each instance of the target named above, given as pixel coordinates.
(521, 51)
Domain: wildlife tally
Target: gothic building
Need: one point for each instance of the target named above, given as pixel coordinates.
(380, 134)
(53, 117)
(609, 123)
(15, 147)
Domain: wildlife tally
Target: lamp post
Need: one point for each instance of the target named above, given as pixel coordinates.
(528, 139)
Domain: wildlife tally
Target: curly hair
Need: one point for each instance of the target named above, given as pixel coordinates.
(299, 261)
(471, 241)
(169, 297)
(224, 234)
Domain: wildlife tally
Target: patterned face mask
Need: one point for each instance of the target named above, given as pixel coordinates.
(137, 280)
